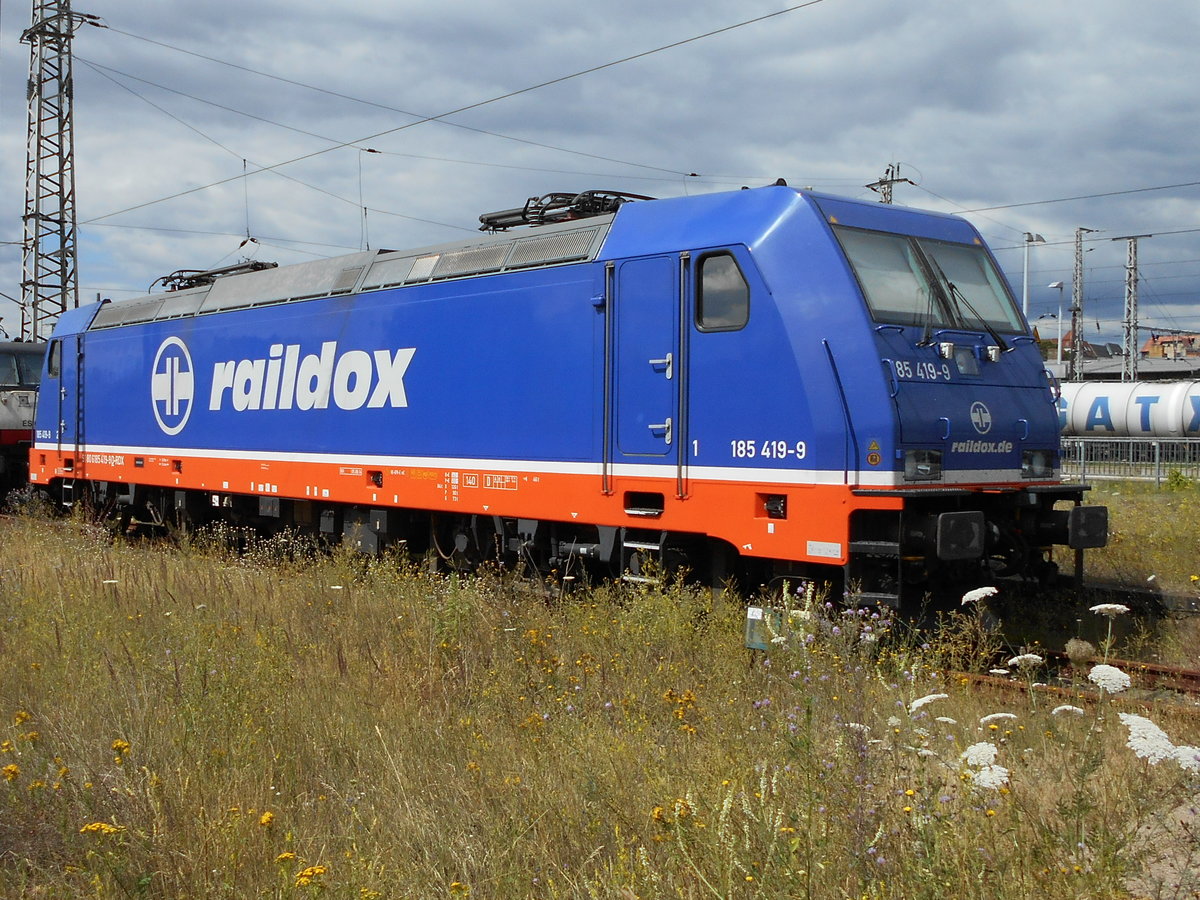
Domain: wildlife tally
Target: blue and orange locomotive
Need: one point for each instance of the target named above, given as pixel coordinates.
(761, 384)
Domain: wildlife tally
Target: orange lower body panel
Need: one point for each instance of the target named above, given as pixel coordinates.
(813, 526)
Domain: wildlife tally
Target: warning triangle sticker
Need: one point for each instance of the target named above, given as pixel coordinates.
(874, 445)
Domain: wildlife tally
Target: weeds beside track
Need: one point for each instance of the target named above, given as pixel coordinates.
(182, 722)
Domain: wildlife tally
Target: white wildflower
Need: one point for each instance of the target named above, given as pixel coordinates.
(1108, 678)
(1147, 740)
(979, 755)
(893, 722)
(1067, 710)
(946, 720)
(996, 717)
(1188, 758)
(1111, 610)
(999, 672)
(922, 701)
(925, 751)
(859, 727)
(1025, 659)
(990, 777)
(979, 594)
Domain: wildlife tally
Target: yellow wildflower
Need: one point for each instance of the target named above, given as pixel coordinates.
(20, 716)
(11, 771)
(310, 875)
(120, 747)
(101, 828)
(266, 819)
(285, 856)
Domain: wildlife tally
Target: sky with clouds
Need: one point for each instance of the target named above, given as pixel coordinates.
(1023, 116)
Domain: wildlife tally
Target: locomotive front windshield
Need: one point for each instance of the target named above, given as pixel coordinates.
(20, 369)
(929, 283)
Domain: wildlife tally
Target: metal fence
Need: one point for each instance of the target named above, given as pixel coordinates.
(1130, 459)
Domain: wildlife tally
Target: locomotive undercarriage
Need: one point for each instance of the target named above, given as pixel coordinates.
(948, 538)
(962, 538)
(560, 550)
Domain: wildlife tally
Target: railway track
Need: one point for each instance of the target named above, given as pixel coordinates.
(1151, 684)
(1145, 676)
(1141, 597)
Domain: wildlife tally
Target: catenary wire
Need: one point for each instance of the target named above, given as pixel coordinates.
(476, 105)
(99, 70)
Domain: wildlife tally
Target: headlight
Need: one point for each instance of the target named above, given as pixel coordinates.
(1037, 463)
(922, 465)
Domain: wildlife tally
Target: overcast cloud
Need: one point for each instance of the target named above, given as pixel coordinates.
(983, 105)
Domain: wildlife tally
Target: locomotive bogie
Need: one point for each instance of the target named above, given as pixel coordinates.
(736, 385)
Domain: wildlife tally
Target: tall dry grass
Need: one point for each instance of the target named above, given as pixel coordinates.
(1154, 534)
(184, 722)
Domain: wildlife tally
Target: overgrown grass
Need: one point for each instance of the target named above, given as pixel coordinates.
(186, 723)
(1154, 534)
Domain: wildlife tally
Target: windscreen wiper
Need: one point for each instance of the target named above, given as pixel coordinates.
(927, 332)
(958, 297)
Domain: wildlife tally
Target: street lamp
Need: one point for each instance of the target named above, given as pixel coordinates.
(1059, 285)
(1030, 238)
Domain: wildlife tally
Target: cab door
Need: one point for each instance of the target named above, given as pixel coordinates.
(646, 359)
(66, 358)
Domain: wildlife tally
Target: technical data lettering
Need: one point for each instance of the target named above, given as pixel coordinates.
(908, 370)
(768, 449)
(104, 459)
(489, 482)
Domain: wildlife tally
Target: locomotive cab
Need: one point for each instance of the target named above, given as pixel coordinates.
(975, 441)
(20, 371)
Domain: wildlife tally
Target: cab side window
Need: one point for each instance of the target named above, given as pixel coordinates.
(54, 363)
(723, 296)
(9, 376)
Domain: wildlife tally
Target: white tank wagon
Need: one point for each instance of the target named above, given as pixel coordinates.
(1140, 409)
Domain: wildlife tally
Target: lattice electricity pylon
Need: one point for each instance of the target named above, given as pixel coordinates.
(49, 281)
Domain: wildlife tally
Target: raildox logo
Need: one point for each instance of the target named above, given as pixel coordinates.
(981, 417)
(285, 379)
(348, 380)
(172, 385)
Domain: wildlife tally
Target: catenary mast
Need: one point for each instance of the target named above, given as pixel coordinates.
(49, 280)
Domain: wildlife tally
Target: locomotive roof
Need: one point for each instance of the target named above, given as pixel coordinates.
(549, 245)
(651, 226)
